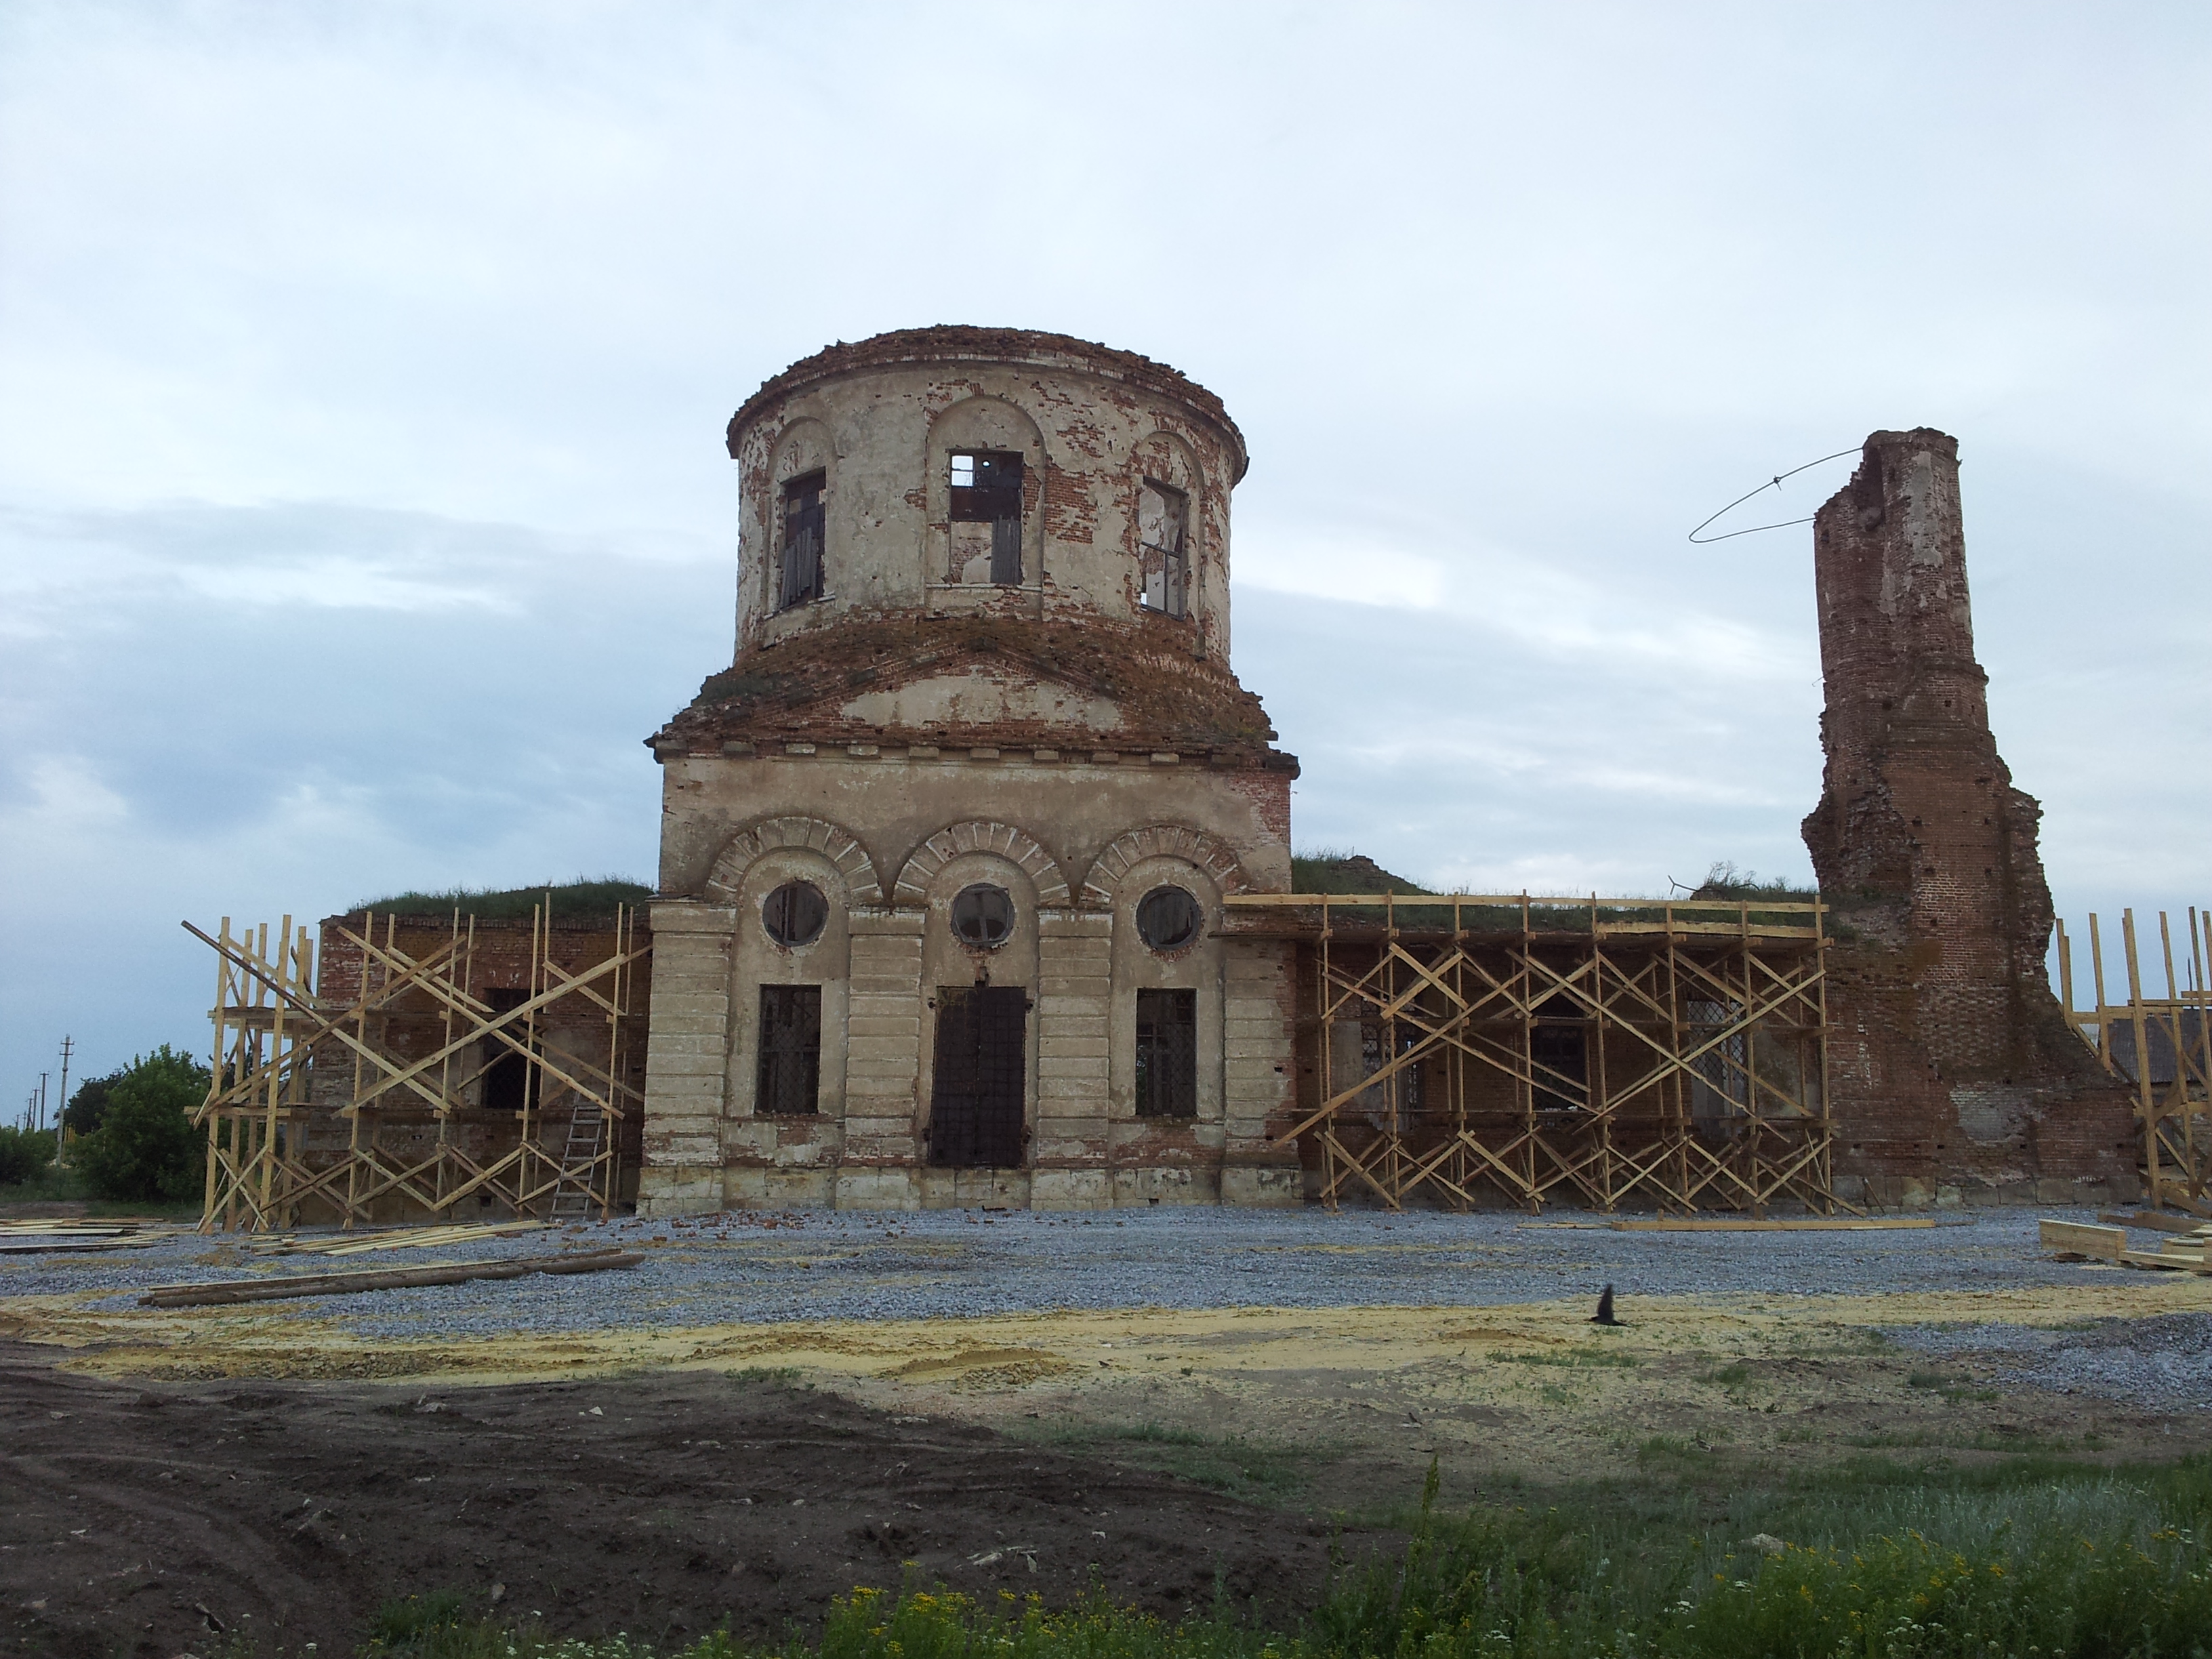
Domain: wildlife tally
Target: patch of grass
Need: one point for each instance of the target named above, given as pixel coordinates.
(1159, 1434)
(1672, 1455)
(2033, 1555)
(1248, 1468)
(1340, 870)
(1728, 1376)
(765, 1377)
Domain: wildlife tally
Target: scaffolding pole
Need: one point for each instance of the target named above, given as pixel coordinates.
(280, 1151)
(1535, 1049)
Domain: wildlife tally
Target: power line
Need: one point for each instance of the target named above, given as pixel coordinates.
(1774, 482)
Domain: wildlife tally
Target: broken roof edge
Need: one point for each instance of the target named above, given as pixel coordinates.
(797, 689)
(959, 343)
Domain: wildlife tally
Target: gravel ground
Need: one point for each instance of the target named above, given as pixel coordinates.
(840, 1265)
(2164, 1362)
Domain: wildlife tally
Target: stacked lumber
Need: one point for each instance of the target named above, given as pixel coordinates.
(40, 1234)
(233, 1293)
(2078, 1241)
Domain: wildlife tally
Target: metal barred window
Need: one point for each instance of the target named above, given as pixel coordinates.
(790, 1051)
(1167, 1053)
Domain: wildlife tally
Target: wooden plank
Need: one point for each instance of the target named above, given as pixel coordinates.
(2158, 1259)
(38, 1246)
(2078, 1238)
(1792, 1224)
(301, 1284)
(2155, 1222)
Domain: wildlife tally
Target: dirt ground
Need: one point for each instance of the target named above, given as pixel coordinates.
(166, 1519)
(281, 1473)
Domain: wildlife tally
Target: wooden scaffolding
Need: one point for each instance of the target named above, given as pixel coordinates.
(1466, 1048)
(351, 1104)
(2161, 1047)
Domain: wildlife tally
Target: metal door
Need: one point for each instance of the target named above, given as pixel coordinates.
(975, 1105)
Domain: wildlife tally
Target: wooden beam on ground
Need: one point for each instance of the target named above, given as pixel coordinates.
(385, 1279)
(1793, 1225)
(2191, 1262)
(2156, 1223)
(2078, 1238)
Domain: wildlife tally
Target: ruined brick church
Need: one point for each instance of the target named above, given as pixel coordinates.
(942, 850)
(945, 850)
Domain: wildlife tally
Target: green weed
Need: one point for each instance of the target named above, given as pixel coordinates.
(2034, 1556)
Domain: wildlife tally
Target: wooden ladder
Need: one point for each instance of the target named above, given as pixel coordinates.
(572, 1198)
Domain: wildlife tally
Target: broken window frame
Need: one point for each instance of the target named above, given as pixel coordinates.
(787, 1078)
(982, 915)
(801, 577)
(1162, 570)
(794, 913)
(1396, 1099)
(993, 493)
(1167, 1052)
(1155, 925)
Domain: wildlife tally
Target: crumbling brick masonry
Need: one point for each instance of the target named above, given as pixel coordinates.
(1952, 1071)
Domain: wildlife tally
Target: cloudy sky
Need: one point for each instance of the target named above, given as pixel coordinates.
(363, 369)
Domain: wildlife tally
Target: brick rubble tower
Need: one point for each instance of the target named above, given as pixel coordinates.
(1953, 1076)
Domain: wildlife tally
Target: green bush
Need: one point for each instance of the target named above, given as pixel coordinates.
(89, 1103)
(24, 1155)
(146, 1150)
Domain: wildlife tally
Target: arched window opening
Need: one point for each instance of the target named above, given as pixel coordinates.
(800, 577)
(1163, 527)
(987, 516)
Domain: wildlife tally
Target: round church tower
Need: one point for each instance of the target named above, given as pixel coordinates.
(943, 849)
(985, 472)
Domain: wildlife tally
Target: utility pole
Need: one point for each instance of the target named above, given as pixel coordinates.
(66, 1046)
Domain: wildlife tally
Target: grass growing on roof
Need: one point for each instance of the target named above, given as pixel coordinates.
(571, 899)
(1338, 870)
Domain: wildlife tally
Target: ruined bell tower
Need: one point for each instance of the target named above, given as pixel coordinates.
(1952, 1071)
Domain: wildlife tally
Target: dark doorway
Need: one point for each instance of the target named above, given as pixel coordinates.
(790, 1051)
(1167, 1053)
(975, 1107)
(1558, 1047)
(509, 1078)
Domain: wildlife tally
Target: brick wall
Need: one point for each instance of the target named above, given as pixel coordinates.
(1950, 1064)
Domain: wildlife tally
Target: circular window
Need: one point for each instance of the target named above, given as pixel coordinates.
(1168, 918)
(982, 915)
(794, 913)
